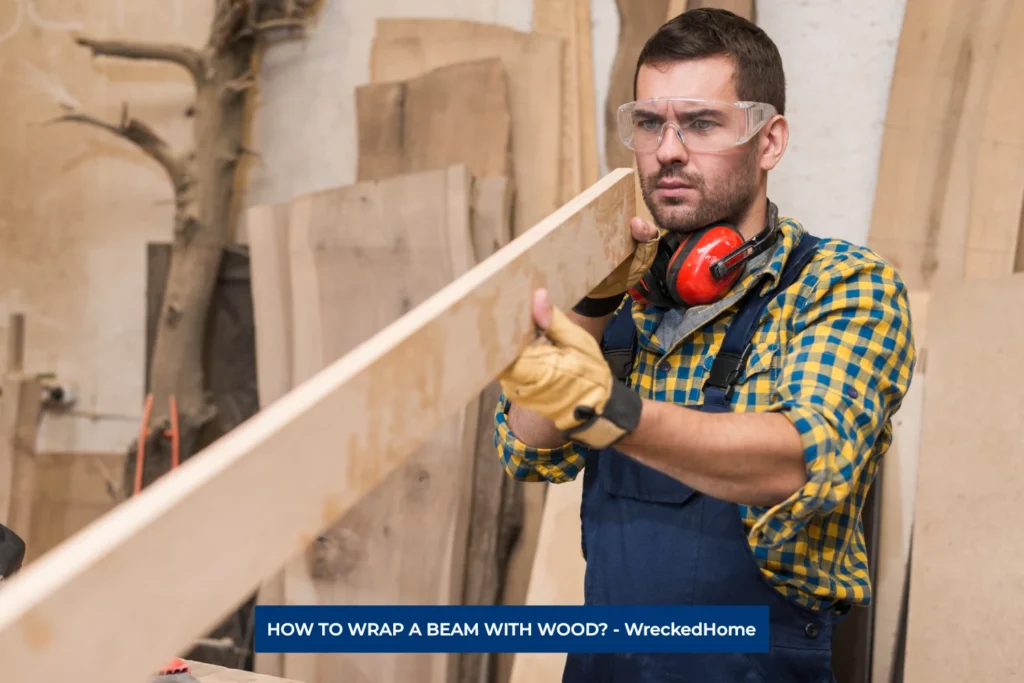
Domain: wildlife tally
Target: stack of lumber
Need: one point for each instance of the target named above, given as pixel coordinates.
(469, 134)
(947, 213)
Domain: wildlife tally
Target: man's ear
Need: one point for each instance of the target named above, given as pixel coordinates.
(774, 139)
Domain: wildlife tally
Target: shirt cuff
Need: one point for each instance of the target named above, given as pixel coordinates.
(830, 475)
(528, 463)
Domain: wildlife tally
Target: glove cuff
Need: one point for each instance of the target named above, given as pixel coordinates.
(596, 308)
(620, 417)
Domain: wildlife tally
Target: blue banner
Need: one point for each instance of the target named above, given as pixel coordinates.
(464, 628)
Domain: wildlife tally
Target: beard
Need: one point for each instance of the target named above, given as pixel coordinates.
(728, 202)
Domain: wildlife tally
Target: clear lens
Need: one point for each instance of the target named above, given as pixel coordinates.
(702, 125)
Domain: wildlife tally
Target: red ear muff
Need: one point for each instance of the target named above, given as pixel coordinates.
(689, 276)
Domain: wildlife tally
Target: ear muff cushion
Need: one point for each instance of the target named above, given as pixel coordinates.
(688, 276)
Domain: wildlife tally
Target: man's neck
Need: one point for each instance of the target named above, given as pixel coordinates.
(753, 220)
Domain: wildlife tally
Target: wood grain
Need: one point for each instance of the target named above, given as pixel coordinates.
(455, 114)
(969, 481)
(637, 22)
(404, 542)
(997, 183)
(557, 576)
(405, 48)
(337, 436)
(940, 90)
(267, 237)
(570, 20)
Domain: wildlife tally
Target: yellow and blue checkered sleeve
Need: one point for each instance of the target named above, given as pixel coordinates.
(849, 365)
(528, 463)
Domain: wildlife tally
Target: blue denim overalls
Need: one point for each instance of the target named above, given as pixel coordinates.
(650, 539)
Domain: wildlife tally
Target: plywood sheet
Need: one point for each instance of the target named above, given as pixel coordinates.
(404, 543)
(455, 114)
(965, 574)
(928, 172)
(405, 48)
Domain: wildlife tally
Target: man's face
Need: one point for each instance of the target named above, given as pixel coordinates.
(683, 190)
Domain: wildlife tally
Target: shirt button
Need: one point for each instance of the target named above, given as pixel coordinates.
(811, 630)
(665, 367)
(851, 392)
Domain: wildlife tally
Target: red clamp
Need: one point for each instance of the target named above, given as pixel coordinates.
(175, 666)
(173, 434)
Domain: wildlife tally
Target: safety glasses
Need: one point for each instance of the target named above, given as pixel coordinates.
(702, 125)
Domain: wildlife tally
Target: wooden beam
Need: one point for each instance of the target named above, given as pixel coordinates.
(115, 600)
(20, 406)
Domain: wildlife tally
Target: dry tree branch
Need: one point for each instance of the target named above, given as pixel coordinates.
(143, 137)
(181, 55)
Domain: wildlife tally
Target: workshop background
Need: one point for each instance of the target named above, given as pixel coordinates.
(905, 136)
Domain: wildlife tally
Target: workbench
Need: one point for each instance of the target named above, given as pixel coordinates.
(211, 673)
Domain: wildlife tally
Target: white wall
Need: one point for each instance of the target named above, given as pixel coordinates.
(839, 57)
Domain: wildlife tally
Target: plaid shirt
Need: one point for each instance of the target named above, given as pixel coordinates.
(834, 354)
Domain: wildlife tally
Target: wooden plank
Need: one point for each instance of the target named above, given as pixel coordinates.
(997, 189)
(570, 21)
(558, 555)
(405, 48)
(637, 22)
(969, 481)
(72, 491)
(940, 87)
(491, 514)
(496, 500)
(404, 543)
(20, 406)
(267, 237)
(19, 416)
(232, 501)
(744, 8)
(455, 114)
(899, 476)
(9, 402)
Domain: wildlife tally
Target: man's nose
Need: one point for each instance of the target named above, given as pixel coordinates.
(672, 150)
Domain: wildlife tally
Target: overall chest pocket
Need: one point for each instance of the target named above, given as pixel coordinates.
(625, 477)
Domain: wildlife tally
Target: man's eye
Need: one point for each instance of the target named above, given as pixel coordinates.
(648, 125)
(703, 124)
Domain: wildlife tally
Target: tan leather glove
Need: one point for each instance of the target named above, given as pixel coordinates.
(566, 379)
(608, 294)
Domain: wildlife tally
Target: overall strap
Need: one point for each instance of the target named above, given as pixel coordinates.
(732, 357)
(619, 342)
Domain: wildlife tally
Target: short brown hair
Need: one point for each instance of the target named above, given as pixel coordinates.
(706, 32)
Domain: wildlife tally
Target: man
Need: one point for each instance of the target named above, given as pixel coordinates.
(727, 460)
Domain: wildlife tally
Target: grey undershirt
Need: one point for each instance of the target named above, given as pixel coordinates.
(679, 323)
